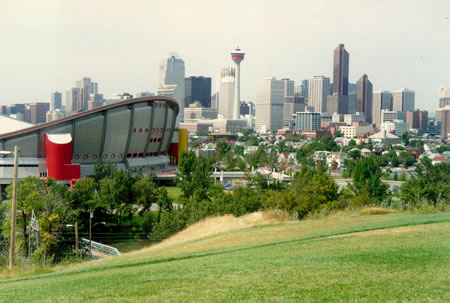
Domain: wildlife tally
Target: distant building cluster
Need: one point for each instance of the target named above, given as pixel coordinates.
(318, 103)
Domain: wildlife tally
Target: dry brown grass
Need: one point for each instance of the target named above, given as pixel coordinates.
(217, 225)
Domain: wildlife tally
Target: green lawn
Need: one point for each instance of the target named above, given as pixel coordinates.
(173, 192)
(376, 258)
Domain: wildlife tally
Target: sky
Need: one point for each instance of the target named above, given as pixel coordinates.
(46, 45)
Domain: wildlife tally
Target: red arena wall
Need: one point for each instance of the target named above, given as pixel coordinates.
(59, 158)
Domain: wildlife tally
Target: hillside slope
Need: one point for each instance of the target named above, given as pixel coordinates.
(393, 257)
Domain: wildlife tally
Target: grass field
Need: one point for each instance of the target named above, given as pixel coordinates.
(173, 192)
(376, 258)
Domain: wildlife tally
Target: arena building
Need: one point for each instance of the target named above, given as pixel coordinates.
(134, 134)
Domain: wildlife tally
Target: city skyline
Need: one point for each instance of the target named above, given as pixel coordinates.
(44, 50)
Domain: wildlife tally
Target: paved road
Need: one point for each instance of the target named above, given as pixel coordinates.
(392, 184)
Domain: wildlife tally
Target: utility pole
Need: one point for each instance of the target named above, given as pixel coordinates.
(13, 211)
(76, 239)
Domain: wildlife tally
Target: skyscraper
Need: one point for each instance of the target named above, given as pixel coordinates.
(289, 86)
(445, 124)
(171, 72)
(198, 89)
(38, 110)
(337, 104)
(364, 97)
(318, 90)
(226, 92)
(237, 56)
(340, 70)
(444, 95)
(85, 86)
(56, 102)
(269, 104)
(73, 99)
(382, 99)
(403, 100)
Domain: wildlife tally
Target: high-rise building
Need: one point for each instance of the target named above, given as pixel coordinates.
(292, 105)
(318, 90)
(198, 89)
(95, 100)
(337, 104)
(171, 72)
(73, 99)
(403, 100)
(444, 91)
(227, 77)
(351, 103)
(417, 119)
(340, 70)
(38, 110)
(247, 108)
(85, 86)
(381, 99)
(307, 121)
(444, 96)
(94, 88)
(237, 56)
(364, 97)
(56, 101)
(269, 105)
(289, 86)
(445, 124)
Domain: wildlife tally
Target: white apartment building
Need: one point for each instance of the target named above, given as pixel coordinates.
(269, 105)
(226, 93)
(318, 90)
(353, 131)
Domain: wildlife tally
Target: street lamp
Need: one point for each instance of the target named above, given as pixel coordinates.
(91, 215)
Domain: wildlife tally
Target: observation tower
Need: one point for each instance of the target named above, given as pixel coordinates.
(237, 56)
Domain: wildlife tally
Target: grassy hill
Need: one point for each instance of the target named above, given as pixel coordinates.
(393, 257)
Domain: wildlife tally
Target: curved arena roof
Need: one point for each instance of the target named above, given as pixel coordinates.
(137, 128)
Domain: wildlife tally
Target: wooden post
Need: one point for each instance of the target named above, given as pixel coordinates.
(76, 239)
(13, 211)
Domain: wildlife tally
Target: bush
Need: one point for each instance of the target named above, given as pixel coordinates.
(311, 190)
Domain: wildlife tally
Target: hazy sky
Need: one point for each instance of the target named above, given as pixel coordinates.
(46, 45)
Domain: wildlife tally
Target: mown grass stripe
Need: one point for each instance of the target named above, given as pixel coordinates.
(420, 220)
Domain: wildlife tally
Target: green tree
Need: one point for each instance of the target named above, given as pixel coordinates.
(223, 149)
(367, 177)
(193, 176)
(31, 193)
(146, 192)
(431, 183)
(310, 190)
(102, 170)
(406, 159)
